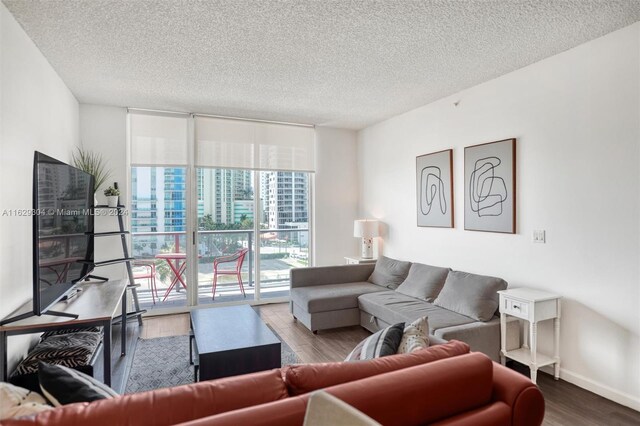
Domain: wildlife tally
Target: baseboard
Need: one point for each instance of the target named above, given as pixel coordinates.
(598, 388)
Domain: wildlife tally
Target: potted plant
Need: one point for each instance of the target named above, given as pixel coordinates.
(93, 164)
(112, 196)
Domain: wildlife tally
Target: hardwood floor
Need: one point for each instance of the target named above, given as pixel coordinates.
(566, 404)
(165, 326)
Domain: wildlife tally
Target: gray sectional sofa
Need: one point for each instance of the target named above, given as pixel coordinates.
(459, 305)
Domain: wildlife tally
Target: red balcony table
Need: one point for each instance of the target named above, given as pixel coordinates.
(178, 264)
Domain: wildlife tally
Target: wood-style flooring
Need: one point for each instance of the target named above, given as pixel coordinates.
(566, 404)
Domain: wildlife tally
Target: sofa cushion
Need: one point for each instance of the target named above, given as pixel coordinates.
(475, 296)
(303, 378)
(393, 307)
(389, 273)
(424, 281)
(331, 297)
(424, 394)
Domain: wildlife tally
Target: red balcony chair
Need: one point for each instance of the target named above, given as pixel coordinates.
(149, 272)
(237, 258)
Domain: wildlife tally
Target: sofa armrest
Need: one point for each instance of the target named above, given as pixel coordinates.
(323, 275)
(518, 392)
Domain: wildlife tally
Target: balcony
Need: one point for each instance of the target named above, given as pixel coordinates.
(280, 250)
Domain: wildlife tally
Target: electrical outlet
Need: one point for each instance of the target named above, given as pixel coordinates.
(539, 236)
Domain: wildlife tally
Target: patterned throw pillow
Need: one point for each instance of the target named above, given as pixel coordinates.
(415, 336)
(66, 346)
(70, 350)
(62, 385)
(355, 353)
(70, 331)
(18, 402)
(382, 343)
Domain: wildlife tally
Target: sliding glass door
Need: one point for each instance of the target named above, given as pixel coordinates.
(220, 208)
(158, 225)
(284, 230)
(225, 237)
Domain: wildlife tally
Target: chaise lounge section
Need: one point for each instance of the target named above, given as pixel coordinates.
(340, 296)
(327, 297)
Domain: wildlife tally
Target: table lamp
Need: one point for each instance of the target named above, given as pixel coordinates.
(366, 229)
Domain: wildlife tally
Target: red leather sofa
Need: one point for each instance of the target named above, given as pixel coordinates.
(442, 385)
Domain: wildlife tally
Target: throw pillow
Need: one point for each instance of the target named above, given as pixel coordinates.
(30, 366)
(382, 343)
(66, 346)
(325, 409)
(475, 296)
(389, 273)
(415, 336)
(69, 331)
(17, 402)
(424, 281)
(355, 353)
(63, 385)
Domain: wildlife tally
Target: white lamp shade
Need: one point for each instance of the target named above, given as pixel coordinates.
(365, 228)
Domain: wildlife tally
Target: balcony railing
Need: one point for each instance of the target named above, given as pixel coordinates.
(280, 250)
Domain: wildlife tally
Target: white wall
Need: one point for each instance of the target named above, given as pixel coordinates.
(103, 130)
(38, 112)
(336, 196)
(576, 117)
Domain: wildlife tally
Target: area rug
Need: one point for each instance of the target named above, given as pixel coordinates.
(164, 362)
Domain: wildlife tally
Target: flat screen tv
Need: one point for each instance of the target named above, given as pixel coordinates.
(62, 230)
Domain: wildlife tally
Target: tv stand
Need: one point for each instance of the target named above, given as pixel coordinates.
(31, 314)
(96, 305)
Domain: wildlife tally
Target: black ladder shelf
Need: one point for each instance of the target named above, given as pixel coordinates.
(126, 259)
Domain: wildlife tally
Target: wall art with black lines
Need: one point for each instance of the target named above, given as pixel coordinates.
(434, 189)
(490, 187)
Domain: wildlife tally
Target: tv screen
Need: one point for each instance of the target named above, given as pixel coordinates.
(62, 229)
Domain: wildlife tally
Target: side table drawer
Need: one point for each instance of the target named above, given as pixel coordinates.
(516, 308)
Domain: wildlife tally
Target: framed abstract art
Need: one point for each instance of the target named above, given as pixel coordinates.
(434, 185)
(490, 187)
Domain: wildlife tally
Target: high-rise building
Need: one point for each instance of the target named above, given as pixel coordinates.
(222, 189)
(158, 199)
(287, 199)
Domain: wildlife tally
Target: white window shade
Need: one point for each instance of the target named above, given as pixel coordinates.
(158, 140)
(229, 143)
(225, 143)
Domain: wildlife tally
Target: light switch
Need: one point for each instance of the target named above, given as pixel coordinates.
(539, 236)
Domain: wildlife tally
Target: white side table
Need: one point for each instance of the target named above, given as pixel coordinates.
(358, 260)
(532, 306)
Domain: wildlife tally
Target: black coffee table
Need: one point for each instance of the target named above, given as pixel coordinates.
(231, 340)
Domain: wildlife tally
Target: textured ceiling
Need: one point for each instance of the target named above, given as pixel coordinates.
(339, 63)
